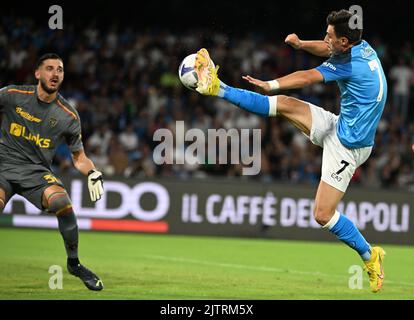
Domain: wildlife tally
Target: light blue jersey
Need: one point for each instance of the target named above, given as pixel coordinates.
(363, 87)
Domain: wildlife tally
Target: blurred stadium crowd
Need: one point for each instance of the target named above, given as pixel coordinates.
(124, 84)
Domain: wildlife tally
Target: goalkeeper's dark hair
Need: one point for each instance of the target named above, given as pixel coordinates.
(340, 21)
(47, 56)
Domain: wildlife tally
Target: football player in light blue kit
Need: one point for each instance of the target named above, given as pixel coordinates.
(346, 139)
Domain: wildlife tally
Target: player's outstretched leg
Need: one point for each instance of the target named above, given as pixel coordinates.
(210, 85)
(56, 200)
(294, 110)
(208, 82)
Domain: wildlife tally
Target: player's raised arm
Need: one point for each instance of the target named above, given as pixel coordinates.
(295, 80)
(298, 79)
(318, 48)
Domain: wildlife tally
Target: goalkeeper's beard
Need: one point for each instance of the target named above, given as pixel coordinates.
(48, 89)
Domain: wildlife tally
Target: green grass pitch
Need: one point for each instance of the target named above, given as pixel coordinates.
(158, 267)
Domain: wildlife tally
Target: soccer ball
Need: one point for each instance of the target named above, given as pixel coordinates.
(186, 72)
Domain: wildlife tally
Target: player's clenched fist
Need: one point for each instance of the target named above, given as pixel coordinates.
(293, 40)
(95, 184)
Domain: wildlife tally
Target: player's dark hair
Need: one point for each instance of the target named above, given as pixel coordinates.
(340, 21)
(47, 56)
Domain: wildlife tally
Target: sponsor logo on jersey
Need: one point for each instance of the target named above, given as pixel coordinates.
(366, 52)
(336, 177)
(329, 65)
(27, 115)
(19, 130)
(52, 122)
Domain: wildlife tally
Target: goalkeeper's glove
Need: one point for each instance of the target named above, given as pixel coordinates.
(95, 184)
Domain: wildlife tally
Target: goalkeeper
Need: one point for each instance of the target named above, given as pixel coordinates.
(35, 120)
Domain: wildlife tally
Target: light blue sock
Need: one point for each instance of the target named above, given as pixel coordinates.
(248, 100)
(347, 232)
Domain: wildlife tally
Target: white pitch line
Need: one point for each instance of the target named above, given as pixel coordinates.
(259, 268)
